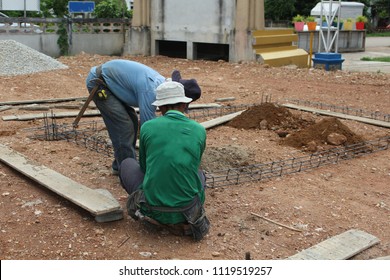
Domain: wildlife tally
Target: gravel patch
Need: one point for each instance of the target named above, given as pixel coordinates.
(18, 59)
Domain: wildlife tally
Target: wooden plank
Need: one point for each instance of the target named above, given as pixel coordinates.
(339, 247)
(220, 120)
(72, 107)
(338, 115)
(27, 117)
(89, 199)
(383, 258)
(34, 107)
(211, 123)
(53, 100)
(224, 99)
(206, 105)
(4, 108)
(90, 113)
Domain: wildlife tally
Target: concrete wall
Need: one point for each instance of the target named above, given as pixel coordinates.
(203, 21)
(103, 44)
(44, 43)
(225, 22)
(138, 42)
(97, 36)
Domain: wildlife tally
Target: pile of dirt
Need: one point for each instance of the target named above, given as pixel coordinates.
(268, 116)
(300, 132)
(225, 157)
(328, 131)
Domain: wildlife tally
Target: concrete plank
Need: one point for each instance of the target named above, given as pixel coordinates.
(220, 120)
(27, 117)
(383, 258)
(4, 108)
(90, 113)
(53, 100)
(339, 247)
(338, 115)
(95, 202)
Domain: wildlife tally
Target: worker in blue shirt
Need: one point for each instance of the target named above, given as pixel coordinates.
(122, 85)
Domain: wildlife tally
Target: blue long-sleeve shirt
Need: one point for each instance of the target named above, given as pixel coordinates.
(131, 82)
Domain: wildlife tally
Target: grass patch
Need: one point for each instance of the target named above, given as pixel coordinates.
(381, 59)
(378, 34)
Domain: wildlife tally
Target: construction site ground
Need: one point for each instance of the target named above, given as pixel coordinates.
(321, 203)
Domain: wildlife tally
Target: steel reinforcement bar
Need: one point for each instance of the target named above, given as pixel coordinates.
(269, 170)
(85, 135)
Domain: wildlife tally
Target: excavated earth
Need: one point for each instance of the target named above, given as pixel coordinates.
(321, 203)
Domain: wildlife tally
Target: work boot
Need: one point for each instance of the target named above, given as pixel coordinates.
(114, 168)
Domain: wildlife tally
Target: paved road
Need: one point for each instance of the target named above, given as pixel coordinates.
(375, 47)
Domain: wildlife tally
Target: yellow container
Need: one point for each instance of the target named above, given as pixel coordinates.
(348, 25)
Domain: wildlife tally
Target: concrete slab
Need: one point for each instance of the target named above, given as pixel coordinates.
(354, 63)
(339, 247)
(375, 47)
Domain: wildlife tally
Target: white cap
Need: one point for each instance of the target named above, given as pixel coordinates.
(170, 93)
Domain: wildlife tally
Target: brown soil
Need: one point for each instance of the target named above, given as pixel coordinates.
(297, 131)
(322, 202)
(319, 133)
(268, 116)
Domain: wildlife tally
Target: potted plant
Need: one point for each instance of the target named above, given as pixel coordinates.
(348, 24)
(360, 21)
(324, 22)
(340, 23)
(299, 22)
(311, 23)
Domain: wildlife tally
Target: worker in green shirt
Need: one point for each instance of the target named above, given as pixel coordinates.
(167, 186)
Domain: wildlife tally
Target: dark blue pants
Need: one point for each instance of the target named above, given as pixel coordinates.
(122, 126)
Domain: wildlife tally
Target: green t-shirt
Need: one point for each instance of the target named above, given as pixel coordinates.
(170, 152)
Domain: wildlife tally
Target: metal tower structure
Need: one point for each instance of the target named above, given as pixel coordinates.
(329, 35)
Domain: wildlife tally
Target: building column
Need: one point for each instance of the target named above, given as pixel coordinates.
(249, 17)
(139, 37)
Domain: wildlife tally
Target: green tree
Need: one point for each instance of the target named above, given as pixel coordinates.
(57, 8)
(286, 9)
(279, 9)
(382, 8)
(111, 9)
(305, 7)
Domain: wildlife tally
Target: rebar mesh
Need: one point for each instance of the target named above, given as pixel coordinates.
(264, 171)
(86, 135)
